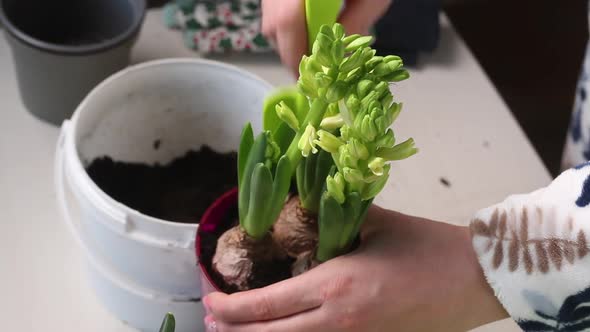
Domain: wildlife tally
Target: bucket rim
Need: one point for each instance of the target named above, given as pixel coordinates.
(132, 30)
(85, 178)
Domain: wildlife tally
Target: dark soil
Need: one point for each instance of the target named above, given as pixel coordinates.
(180, 191)
(281, 269)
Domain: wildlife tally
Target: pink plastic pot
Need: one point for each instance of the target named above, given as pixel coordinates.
(211, 220)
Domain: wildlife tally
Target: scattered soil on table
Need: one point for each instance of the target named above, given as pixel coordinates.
(180, 191)
(445, 182)
(263, 277)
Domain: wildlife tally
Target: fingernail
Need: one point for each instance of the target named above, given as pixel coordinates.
(210, 324)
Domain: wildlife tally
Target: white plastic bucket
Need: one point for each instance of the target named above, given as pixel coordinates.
(142, 267)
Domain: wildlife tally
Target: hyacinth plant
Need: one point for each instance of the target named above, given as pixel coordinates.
(335, 138)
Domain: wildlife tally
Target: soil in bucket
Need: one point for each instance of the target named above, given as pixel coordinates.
(179, 191)
(262, 276)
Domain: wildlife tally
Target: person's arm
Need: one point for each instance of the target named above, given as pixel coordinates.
(283, 23)
(535, 252)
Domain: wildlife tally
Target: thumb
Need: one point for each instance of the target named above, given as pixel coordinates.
(279, 300)
(360, 15)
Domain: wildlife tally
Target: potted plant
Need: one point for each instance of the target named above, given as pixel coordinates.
(334, 139)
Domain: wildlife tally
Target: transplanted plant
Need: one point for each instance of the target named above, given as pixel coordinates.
(334, 137)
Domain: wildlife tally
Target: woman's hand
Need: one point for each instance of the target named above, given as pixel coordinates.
(409, 274)
(283, 22)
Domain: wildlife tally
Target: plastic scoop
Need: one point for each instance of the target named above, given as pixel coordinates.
(317, 13)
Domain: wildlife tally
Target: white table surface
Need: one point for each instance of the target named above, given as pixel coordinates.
(465, 132)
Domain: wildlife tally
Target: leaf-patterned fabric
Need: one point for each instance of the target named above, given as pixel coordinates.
(535, 253)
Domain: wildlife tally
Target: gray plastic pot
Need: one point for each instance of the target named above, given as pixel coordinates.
(63, 49)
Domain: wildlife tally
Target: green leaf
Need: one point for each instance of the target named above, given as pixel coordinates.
(169, 323)
(330, 218)
(280, 189)
(256, 223)
(246, 142)
(256, 156)
(352, 209)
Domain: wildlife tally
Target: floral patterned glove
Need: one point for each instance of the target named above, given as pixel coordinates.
(218, 26)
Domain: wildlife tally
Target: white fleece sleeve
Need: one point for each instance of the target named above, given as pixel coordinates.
(534, 250)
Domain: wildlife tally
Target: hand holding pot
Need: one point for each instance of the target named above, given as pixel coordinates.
(409, 274)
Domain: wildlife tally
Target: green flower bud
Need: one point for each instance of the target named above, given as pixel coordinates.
(328, 142)
(323, 80)
(398, 152)
(321, 50)
(306, 90)
(345, 158)
(386, 100)
(393, 112)
(381, 89)
(368, 54)
(314, 66)
(386, 140)
(376, 166)
(382, 69)
(327, 31)
(390, 58)
(397, 76)
(349, 39)
(332, 110)
(371, 64)
(359, 42)
(336, 92)
(306, 143)
(337, 51)
(368, 130)
(370, 101)
(285, 113)
(352, 175)
(335, 186)
(354, 75)
(332, 123)
(353, 103)
(303, 65)
(358, 149)
(273, 151)
(345, 133)
(374, 188)
(395, 65)
(364, 87)
(381, 124)
(338, 30)
(352, 62)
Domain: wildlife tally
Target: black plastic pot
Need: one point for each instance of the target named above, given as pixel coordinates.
(63, 49)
